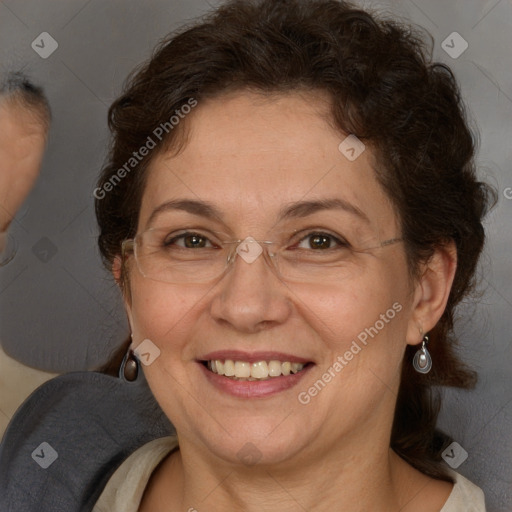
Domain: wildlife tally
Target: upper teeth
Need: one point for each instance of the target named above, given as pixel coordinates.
(252, 371)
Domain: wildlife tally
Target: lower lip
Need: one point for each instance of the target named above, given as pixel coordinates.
(254, 388)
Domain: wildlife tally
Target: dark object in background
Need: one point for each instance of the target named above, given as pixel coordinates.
(68, 438)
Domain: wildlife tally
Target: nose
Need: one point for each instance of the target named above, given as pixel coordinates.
(251, 297)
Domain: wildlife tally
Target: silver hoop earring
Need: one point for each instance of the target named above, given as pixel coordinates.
(422, 361)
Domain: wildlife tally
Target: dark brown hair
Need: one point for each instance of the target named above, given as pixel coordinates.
(17, 88)
(386, 90)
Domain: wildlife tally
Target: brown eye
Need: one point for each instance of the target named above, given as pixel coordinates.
(187, 241)
(321, 242)
(193, 241)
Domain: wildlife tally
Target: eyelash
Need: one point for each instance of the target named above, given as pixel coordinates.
(341, 243)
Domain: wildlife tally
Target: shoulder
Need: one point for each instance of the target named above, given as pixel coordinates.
(464, 496)
(125, 488)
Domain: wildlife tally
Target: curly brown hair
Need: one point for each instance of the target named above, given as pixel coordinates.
(385, 89)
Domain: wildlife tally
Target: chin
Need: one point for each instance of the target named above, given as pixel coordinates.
(254, 442)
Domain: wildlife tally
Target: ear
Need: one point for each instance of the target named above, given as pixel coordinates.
(116, 269)
(123, 283)
(431, 292)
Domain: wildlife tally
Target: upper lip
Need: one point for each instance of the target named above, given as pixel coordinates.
(252, 357)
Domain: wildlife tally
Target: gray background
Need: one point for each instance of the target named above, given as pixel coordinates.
(60, 311)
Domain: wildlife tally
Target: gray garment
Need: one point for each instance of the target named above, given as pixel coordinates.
(69, 437)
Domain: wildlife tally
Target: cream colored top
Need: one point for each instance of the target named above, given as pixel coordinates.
(17, 382)
(124, 490)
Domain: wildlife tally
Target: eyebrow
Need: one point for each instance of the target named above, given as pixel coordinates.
(297, 209)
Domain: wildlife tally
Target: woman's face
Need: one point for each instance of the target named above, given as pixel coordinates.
(251, 158)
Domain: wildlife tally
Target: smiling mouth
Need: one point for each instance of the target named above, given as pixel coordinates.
(257, 371)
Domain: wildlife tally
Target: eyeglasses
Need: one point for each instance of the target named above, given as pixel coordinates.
(194, 256)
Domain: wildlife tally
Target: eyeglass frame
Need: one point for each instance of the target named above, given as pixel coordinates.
(128, 245)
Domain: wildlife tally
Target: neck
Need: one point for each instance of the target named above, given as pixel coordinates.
(354, 476)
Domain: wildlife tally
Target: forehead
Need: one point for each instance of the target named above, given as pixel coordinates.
(251, 154)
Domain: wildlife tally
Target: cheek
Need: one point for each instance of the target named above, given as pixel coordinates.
(362, 327)
(363, 321)
(161, 312)
(355, 304)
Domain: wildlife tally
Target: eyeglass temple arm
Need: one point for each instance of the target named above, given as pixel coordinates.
(127, 246)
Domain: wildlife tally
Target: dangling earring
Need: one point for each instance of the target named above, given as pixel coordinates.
(129, 370)
(422, 361)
